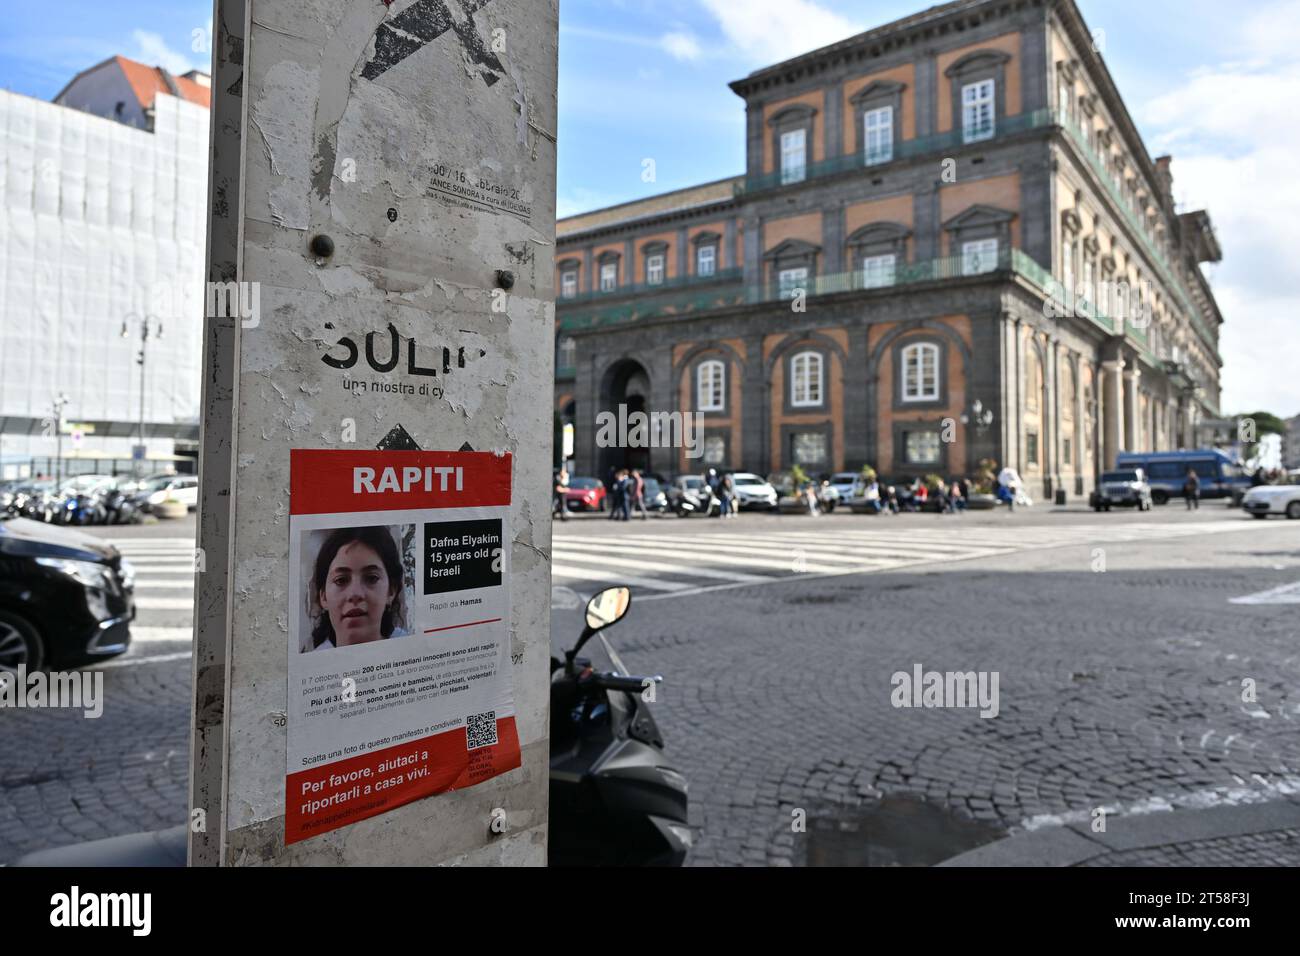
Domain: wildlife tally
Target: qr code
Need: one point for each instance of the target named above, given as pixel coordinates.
(480, 730)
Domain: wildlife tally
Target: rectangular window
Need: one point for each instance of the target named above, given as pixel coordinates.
(977, 107)
(609, 277)
(806, 384)
(878, 271)
(1065, 450)
(979, 255)
(794, 165)
(921, 373)
(791, 280)
(1031, 448)
(706, 259)
(921, 448)
(710, 387)
(878, 135)
(808, 448)
(1063, 103)
(568, 284)
(654, 269)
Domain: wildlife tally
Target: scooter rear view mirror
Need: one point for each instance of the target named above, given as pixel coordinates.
(607, 607)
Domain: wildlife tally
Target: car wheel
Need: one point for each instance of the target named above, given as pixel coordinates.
(19, 644)
(1293, 510)
(1160, 497)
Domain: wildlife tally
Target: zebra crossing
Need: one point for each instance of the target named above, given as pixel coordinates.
(677, 561)
(164, 588)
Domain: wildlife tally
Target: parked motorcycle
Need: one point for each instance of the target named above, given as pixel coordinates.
(614, 797)
(703, 502)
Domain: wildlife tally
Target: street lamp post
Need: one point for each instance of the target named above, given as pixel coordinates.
(156, 331)
(59, 403)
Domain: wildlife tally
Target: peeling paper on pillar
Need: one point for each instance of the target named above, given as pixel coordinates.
(399, 676)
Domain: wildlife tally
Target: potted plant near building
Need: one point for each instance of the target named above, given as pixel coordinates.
(981, 491)
(171, 507)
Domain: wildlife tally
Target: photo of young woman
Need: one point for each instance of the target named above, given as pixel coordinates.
(357, 589)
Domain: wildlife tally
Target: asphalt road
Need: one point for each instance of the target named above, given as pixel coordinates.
(1119, 641)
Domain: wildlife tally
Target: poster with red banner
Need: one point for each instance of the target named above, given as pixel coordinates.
(400, 681)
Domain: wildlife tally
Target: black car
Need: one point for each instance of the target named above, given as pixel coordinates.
(66, 598)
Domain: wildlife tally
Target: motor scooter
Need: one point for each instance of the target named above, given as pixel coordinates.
(616, 799)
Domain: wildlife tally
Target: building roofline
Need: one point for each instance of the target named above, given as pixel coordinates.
(672, 192)
(926, 19)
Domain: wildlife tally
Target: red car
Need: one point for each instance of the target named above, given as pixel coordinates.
(585, 494)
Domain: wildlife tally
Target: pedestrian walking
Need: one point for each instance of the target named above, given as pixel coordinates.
(559, 504)
(1192, 490)
(637, 486)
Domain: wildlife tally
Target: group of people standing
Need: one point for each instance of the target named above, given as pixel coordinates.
(626, 490)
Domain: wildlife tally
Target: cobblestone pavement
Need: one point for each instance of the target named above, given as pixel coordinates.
(1275, 848)
(1120, 688)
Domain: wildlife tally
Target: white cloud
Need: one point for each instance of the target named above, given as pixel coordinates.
(1235, 147)
(681, 45)
(774, 30)
(152, 49)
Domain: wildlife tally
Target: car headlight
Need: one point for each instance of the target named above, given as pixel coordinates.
(87, 573)
(127, 571)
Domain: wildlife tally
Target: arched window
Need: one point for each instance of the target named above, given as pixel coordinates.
(710, 386)
(806, 379)
(921, 372)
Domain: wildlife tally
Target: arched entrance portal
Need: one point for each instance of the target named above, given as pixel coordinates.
(625, 389)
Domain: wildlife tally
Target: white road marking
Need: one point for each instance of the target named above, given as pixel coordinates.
(1283, 594)
(149, 635)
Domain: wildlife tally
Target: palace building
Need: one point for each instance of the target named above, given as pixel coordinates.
(949, 244)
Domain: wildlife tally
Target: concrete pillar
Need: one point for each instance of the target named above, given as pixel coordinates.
(347, 141)
(1132, 409)
(1112, 399)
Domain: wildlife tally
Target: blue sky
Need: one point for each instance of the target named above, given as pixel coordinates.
(1213, 83)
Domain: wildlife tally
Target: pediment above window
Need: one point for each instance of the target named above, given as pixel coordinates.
(792, 249)
(879, 232)
(976, 61)
(706, 238)
(879, 90)
(609, 256)
(654, 248)
(979, 215)
(792, 115)
(565, 265)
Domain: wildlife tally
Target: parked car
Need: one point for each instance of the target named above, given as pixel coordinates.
(182, 488)
(1124, 487)
(752, 491)
(585, 494)
(66, 598)
(1264, 500)
(1166, 471)
(846, 484)
(655, 497)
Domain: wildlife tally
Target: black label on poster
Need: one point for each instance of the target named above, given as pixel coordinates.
(460, 555)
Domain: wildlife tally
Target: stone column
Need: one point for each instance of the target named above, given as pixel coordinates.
(1132, 408)
(1112, 421)
(1053, 463)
